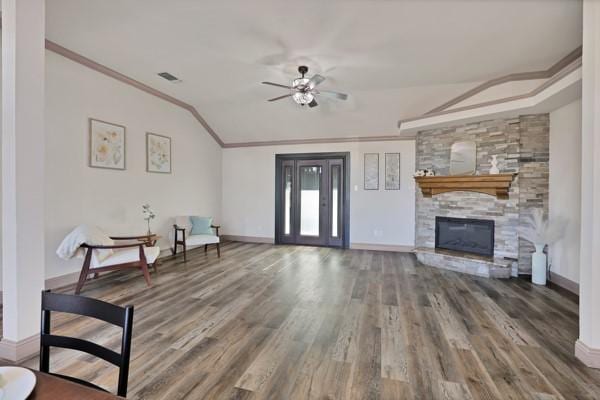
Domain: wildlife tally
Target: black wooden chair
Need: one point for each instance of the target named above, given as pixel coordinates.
(119, 316)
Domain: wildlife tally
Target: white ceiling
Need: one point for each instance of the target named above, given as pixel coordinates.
(396, 59)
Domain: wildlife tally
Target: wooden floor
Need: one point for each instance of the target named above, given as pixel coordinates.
(285, 322)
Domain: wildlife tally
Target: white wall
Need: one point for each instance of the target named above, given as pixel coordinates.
(565, 187)
(112, 199)
(384, 217)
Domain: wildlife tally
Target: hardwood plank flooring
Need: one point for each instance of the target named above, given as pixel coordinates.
(290, 322)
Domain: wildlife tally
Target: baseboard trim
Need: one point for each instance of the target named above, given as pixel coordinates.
(382, 247)
(21, 350)
(587, 355)
(248, 239)
(564, 283)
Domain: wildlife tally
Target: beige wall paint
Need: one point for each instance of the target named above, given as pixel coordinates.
(112, 199)
(384, 217)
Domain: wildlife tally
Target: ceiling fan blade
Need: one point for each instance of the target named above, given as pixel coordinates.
(313, 103)
(280, 97)
(315, 80)
(277, 84)
(337, 95)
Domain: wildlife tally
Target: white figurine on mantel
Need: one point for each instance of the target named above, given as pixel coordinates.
(494, 168)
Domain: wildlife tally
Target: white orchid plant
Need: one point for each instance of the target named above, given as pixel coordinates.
(148, 214)
(539, 230)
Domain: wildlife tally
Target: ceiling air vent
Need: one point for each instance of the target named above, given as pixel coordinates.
(169, 77)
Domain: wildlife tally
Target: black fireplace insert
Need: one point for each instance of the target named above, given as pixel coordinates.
(468, 235)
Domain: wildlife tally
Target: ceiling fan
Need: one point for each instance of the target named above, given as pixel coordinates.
(304, 90)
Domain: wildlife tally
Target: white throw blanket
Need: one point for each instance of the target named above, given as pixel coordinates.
(92, 235)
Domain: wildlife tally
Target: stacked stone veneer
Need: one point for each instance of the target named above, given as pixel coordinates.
(522, 146)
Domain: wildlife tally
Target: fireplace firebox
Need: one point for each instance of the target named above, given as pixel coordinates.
(475, 236)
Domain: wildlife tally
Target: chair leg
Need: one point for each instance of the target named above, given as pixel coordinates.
(85, 270)
(146, 273)
(219, 250)
(205, 248)
(184, 253)
(82, 277)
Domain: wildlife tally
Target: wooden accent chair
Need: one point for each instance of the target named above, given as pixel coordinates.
(184, 238)
(115, 315)
(140, 255)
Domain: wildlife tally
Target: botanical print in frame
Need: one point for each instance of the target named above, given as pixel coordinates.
(107, 145)
(392, 171)
(371, 173)
(158, 153)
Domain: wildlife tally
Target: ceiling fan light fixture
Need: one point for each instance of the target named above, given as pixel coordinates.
(303, 98)
(303, 90)
(299, 93)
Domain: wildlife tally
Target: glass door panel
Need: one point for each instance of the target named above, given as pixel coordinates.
(335, 200)
(287, 199)
(336, 203)
(311, 204)
(310, 193)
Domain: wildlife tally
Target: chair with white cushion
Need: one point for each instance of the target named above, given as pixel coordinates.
(194, 231)
(102, 254)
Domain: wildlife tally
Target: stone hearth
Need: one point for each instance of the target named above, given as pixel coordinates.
(487, 267)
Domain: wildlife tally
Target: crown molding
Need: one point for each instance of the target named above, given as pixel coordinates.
(521, 76)
(318, 141)
(78, 58)
(556, 79)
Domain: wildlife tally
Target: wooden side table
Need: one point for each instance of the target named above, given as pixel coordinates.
(150, 241)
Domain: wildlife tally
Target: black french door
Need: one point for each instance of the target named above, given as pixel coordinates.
(311, 199)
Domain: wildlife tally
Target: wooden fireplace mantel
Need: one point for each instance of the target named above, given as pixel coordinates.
(495, 185)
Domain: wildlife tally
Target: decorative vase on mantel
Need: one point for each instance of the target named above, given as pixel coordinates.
(494, 168)
(538, 265)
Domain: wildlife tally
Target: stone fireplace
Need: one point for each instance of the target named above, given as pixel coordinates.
(522, 147)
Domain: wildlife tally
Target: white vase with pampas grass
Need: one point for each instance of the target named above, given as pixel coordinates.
(540, 232)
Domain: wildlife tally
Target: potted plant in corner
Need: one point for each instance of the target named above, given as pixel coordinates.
(540, 232)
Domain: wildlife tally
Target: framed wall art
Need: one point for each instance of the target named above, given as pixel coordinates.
(392, 171)
(158, 153)
(371, 171)
(107, 145)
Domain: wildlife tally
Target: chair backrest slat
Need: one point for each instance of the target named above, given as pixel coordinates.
(82, 345)
(110, 313)
(84, 306)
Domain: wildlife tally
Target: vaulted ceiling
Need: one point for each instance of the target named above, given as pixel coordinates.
(396, 59)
